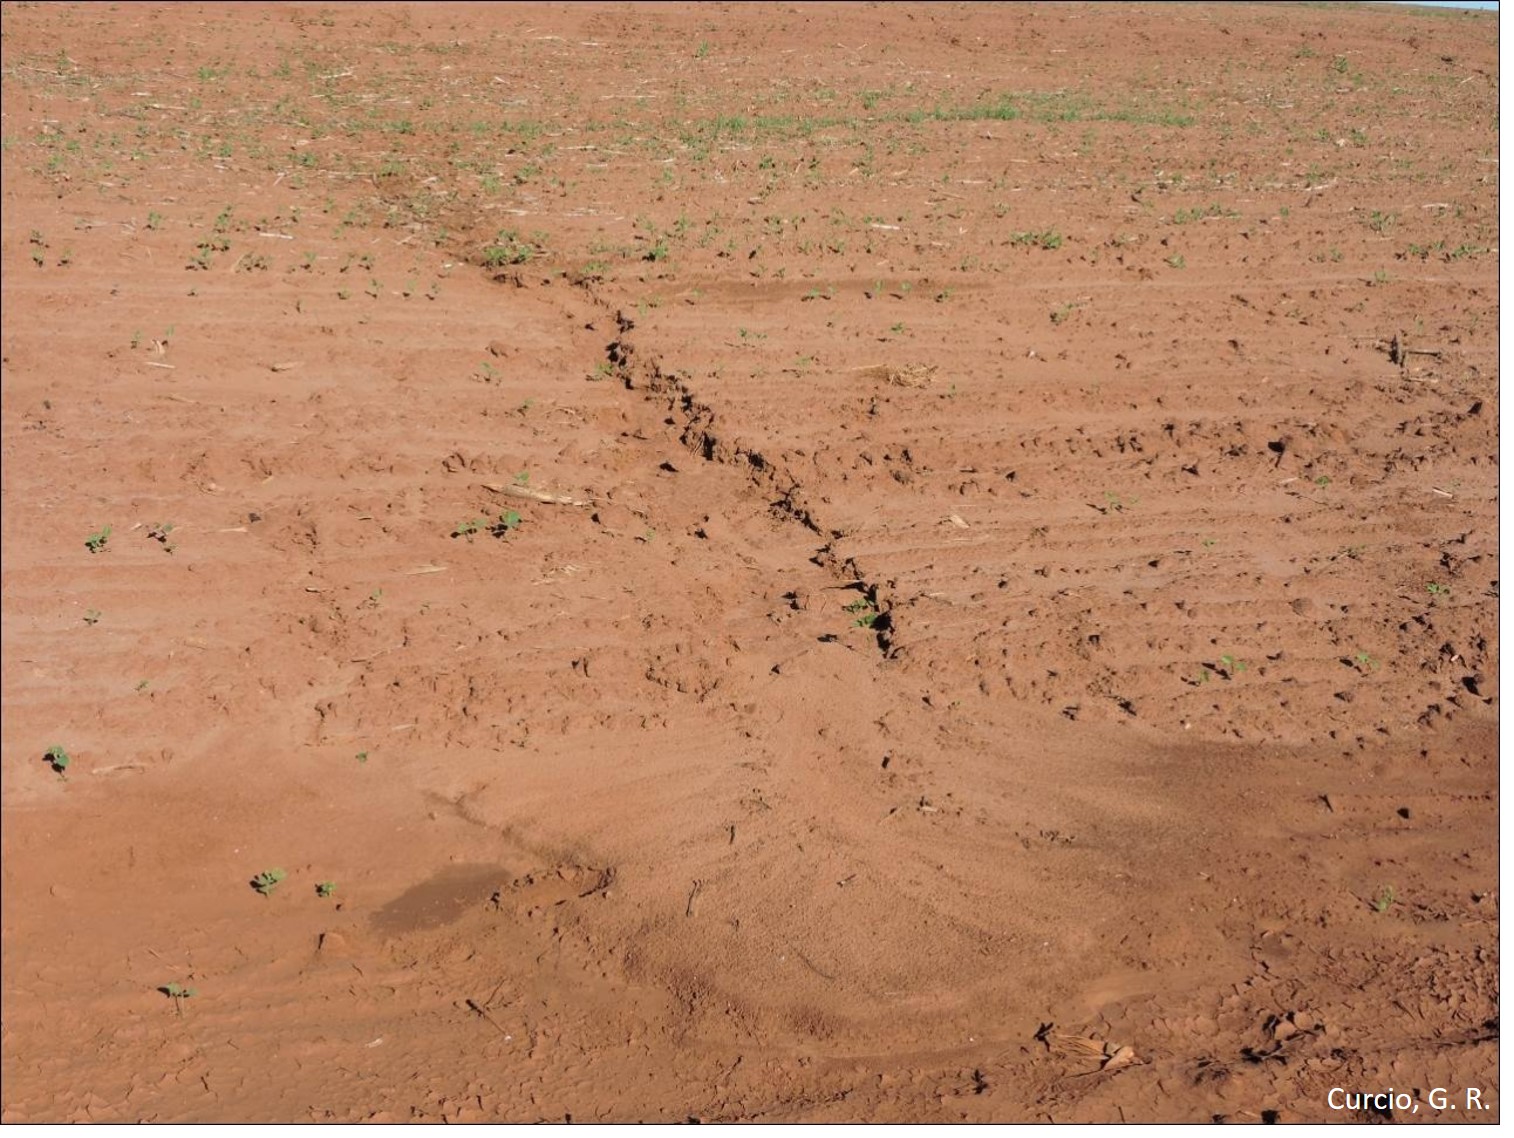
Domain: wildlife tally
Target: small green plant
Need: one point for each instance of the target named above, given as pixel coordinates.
(523, 478)
(142, 685)
(154, 220)
(362, 756)
(1045, 239)
(95, 542)
(325, 888)
(178, 993)
(1177, 261)
(160, 533)
(91, 617)
(1364, 662)
(1232, 665)
(57, 758)
(1322, 481)
(509, 248)
(866, 612)
(1436, 589)
(1384, 899)
(267, 881)
(501, 526)
(1200, 213)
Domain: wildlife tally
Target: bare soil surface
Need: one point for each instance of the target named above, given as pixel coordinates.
(748, 562)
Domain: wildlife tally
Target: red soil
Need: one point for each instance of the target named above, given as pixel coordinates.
(1021, 644)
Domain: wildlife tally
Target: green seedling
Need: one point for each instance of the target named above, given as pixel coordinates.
(267, 881)
(499, 527)
(1436, 589)
(1232, 665)
(362, 756)
(1384, 900)
(159, 533)
(178, 993)
(142, 685)
(92, 617)
(325, 888)
(523, 478)
(57, 758)
(95, 542)
(866, 610)
(1049, 239)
